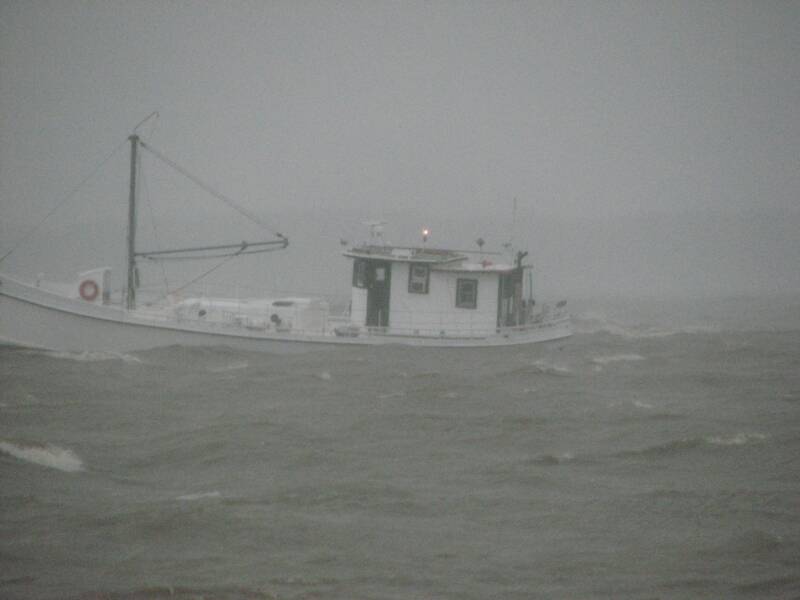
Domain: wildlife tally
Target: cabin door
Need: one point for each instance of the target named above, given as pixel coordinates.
(379, 278)
(509, 299)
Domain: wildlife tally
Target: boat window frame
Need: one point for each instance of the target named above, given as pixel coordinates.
(379, 274)
(360, 273)
(416, 279)
(461, 302)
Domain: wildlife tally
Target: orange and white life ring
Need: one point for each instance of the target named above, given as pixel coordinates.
(89, 290)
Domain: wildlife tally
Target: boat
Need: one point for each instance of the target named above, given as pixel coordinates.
(416, 296)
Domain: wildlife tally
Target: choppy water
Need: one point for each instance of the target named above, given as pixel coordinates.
(630, 461)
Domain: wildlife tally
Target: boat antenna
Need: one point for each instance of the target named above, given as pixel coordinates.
(480, 241)
(375, 231)
(513, 224)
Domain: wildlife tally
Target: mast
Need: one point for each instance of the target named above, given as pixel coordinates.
(130, 299)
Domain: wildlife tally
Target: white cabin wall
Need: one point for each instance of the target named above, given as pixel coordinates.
(436, 311)
(358, 305)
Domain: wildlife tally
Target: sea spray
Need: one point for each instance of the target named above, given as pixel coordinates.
(48, 455)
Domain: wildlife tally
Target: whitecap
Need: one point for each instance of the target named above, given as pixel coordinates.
(325, 376)
(93, 356)
(550, 368)
(53, 457)
(738, 439)
(615, 358)
(199, 496)
(553, 459)
(593, 322)
(386, 396)
(237, 366)
(640, 404)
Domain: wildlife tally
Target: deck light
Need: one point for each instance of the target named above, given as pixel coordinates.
(425, 233)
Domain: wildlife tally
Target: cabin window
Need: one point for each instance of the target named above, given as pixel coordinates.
(418, 278)
(359, 273)
(466, 293)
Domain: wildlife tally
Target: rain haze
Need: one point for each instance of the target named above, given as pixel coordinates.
(652, 148)
(620, 421)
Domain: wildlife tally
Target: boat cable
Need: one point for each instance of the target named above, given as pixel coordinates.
(64, 200)
(202, 275)
(218, 195)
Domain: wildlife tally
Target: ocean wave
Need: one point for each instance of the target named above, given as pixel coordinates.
(199, 496)
(646, 411)
(615, 358)
(424, 375)
(644, 405)
(775, 587)
(665, 449)
(181, 593)
(738, 439)
(685, 444)
(92, 356)
(50, 456)
(753, 541)
(520, 422)
(540, 367)
(549, 460)
(550, 368)
(236, 366)
(791, 397)
(592, 322)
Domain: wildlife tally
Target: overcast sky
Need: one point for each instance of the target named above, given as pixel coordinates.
(613, 116)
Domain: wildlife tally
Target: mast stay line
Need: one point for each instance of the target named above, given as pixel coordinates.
(218, 195)
(224, 251)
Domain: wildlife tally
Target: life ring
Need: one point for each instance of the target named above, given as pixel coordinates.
(89, 290)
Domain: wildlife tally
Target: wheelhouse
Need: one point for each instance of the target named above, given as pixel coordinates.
(432, 292)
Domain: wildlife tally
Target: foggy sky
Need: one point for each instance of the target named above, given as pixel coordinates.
(653, 147)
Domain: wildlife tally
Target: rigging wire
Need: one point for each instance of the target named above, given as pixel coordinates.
(202, 275)
(243, 250)
(227, 257)
(63, 201)
(219, 196)
(146, 119)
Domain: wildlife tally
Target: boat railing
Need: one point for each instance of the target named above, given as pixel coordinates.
(317, 320)
(235, 293)
(464, 331)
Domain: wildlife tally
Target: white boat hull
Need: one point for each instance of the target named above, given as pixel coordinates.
(30, 316)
